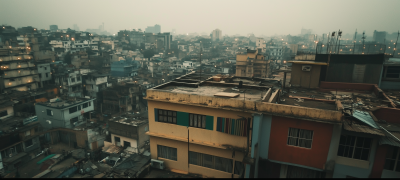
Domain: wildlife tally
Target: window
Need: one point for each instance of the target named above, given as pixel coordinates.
(28, 133)
(300, 137)
(45, 68)
(117, 139)
(72, 79)
(354, 147)
(198, 121)
(78, 78)
(236, 127)
(49, 112)
(239, 167)
(73, 109)
(3, 113)
(40, 75)
(89, 103)
(392, 162)
(167, 116)
(210, 161)
(392, 72)
(146, 128)
(85, 105)
(28, 143)
(47, 74)
(167, 152)
(79, 107)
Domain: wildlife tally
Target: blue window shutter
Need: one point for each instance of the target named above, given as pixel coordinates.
(218, 124)
(182, 118)
(156, 114)
(210, 122)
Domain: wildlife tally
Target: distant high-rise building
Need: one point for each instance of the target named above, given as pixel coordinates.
(53, 27)
(216, 35)
(379, 36)
(76, 28)
(153, 29)
(305, 31)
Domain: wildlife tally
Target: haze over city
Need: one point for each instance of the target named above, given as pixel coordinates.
(260, 17)
(199, 89)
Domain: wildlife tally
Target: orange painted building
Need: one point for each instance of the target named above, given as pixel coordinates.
(314, 157)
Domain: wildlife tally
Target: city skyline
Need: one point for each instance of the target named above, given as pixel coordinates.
(301, 14)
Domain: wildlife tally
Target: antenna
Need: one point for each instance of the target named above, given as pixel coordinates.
(363, 38)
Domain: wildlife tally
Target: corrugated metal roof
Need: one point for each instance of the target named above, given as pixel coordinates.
(365, 117)
(389, 141)
(361, 128)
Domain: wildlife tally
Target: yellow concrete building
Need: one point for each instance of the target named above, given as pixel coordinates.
(252, 64)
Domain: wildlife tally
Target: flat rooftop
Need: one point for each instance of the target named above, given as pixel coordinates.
(242, 93)
(132, 119)
(60, 104)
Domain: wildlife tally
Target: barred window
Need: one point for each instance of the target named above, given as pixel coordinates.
(167, 116)
(198, 121)
(167, 152)
(210, 161)
(354, 147)
(392, 162)
(300, 137)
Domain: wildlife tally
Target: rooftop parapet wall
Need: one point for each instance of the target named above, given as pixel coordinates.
(246, 106)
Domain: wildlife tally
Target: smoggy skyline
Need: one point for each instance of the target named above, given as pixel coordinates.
(232, 17)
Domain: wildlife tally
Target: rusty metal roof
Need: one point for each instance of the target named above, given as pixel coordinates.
(365, 117)
(389, 141)
(356, 127)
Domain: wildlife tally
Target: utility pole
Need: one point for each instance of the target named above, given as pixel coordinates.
(355, 40)
(394, 49)
(200, 61)
(339, 36)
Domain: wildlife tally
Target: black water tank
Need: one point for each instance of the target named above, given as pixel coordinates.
(240, 84)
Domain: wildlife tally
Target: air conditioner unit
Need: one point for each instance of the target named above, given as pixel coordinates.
(157, 164)
(306, 68)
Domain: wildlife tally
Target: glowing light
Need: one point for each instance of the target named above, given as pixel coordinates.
(9, 83)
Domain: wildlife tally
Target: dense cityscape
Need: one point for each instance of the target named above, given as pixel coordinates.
(155, 103)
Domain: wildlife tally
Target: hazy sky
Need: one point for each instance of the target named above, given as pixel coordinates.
(261, 17)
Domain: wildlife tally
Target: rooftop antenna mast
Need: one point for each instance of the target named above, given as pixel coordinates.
(363, 38)
(355, 40)
(394, 49)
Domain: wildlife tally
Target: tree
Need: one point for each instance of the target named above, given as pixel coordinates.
(67, 58)
(148, 53)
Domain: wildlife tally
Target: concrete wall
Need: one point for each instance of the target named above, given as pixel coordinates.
(390, 174)
(132, 141)
(236, 104)
(390, 85)
(182, 157)
(306, 79)
(143, 137)
(35, 145)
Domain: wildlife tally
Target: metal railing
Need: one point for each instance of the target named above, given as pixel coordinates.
(351, 49)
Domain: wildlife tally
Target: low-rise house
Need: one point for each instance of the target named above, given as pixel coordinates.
(129, 131)
(59, 113)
